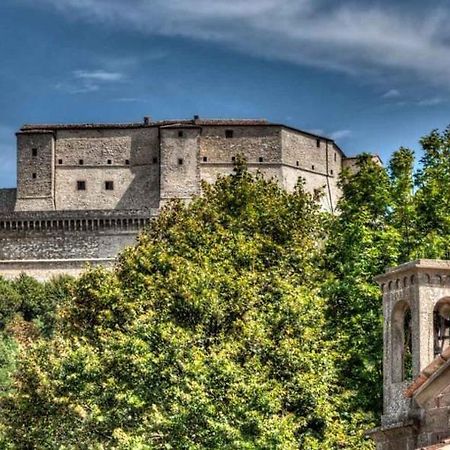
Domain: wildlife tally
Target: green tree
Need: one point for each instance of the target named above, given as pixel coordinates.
(432, 198)
(362, 243)
(210, 333)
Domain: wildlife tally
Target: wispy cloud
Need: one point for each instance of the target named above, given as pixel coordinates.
(392, 93)
(340, 134)
(98, 75)
(86, 81)
(431, 101)
(130, 100)
(345, 36)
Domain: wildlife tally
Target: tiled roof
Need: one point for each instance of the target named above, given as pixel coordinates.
(426, 373)
(160, 123)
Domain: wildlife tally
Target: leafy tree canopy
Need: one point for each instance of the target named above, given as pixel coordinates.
(210, 333)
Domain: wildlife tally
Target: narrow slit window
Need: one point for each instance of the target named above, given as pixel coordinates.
(317, 143)
(81, 185)
(331, 171)
(60, 161)
(313, 167)
(180, 161)
(335, 157)
(127, 162)
(34, 151)
(261, 159)
(205, 159)
(297, 163)
(155, 160)
(229, 134)
(81, 162)
(109, 185)
(33, 176)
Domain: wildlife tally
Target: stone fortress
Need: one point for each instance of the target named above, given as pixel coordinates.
(84, 191)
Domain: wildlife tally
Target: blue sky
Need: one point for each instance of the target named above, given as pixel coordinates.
(374, 75)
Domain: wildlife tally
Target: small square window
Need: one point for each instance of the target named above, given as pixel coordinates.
(81, 185)
(34, 151)
(33, 176)
(109, 162)
(109, 185)
(233, 158)
(261, 159)
(229, 134)
(59, 161)
(180, 161)
(180, 134)
(81, 162)
(155, 160)
(317, 143)
(205, 159)
(127, 162)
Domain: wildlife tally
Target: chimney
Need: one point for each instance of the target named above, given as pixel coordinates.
(147, 120)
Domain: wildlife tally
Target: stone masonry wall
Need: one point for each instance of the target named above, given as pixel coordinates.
(35, 172)
(252, 142)
(63, 245)
(46, 269)
(218, 153)
(180, 174)
(7, 200)
(127, 158)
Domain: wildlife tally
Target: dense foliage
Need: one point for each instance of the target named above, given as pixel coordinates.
(247, 319)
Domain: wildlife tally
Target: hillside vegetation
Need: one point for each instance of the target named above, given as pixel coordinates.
(247, 319)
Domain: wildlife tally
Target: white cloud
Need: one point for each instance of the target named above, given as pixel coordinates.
(349, 37)
(340, 134)
(430, 101)
(98, 75)
(392, 93)
(86, 81)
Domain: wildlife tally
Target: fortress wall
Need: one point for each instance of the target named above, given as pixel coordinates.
(35, 244)
(313, 181)
(134, 187)
(35, 171)
(127, 157)
(7, 200)
(301, 151)
(180, 173)
(209, 172)
(44, 270)
(252, 142)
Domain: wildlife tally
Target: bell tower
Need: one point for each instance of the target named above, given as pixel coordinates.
(416, 310)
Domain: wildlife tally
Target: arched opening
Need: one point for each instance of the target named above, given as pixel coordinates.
(441, 322)
(401, 343)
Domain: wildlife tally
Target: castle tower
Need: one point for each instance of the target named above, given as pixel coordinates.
(416, 310)
(35, 171)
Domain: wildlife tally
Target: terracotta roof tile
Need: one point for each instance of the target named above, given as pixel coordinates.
(426, 373)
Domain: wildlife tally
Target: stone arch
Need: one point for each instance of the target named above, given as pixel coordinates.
(401, 351)
(441, 325)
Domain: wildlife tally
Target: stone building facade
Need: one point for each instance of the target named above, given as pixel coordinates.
(84, 191)
(416, 368)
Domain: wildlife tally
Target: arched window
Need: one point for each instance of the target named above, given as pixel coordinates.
(441, 319)
(401, 343)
